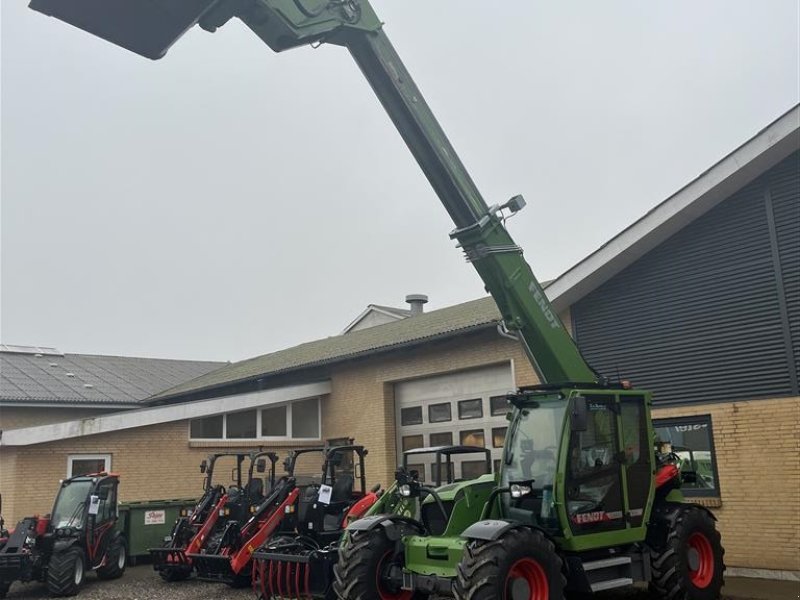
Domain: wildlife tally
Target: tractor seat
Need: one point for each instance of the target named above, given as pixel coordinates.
(255, 490)
(343, 488)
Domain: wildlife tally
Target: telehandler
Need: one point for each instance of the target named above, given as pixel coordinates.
(582, 501)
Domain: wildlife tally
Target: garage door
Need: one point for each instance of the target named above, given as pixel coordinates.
(467, 407)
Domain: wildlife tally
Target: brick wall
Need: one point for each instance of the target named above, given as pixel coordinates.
(757, 448)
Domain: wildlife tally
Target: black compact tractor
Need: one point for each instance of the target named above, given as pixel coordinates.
(78, 536)
(194, 526)
(297, 561)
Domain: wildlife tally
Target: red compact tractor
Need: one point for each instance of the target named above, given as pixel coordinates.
(216, 506)
(78, 536)
(225, 552)
(298, 563)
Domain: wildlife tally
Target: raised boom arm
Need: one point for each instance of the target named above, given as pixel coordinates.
(149, 27)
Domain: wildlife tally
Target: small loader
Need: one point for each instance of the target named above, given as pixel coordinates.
(78, 536)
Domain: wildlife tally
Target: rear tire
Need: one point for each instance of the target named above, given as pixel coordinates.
(116, 560)
(688, 564)
(521, 564)
(66, 572)
(363, 557)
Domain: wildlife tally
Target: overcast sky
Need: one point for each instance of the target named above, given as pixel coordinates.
(226, 201)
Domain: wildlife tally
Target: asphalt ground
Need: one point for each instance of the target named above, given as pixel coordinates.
(141, 583)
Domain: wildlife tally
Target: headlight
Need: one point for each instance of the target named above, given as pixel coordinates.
(405, 490)
(519, 490)
(289, 509)
(167, 538)
(184, 512)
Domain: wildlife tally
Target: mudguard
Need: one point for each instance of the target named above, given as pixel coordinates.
(395, 525)
(490, 529)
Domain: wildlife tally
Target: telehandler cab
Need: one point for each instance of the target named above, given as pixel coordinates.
(582, 501)
(78, 535)
(216, 506)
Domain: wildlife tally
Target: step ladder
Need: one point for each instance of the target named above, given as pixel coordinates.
(609, 573)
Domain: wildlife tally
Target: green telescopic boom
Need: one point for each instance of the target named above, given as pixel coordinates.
(150, 27)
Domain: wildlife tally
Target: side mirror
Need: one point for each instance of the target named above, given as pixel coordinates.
(204, 466)
(261, 465)
(579, 414)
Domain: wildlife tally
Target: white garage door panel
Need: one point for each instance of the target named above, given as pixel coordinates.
(482, 383)
(466, 384)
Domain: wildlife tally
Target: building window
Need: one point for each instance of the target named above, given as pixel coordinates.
(410, 442)
(499, 406)
(439, 413)
(207, 428)
(498, 436)
(442, 439)
(240, 425)
(470, 409)
(411, 416)
(305, 419)
(84, 464)
(274, 421)
(296, 420)
(473, 437)
(472, 469)
(692, 439)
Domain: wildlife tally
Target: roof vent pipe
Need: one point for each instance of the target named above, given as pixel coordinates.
(416, 301)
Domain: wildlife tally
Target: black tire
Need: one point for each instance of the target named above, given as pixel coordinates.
(66, 572)
(242, 580)
(362, 557)
(687, 562)
(116, 560)
(518, 564)
(172, 574)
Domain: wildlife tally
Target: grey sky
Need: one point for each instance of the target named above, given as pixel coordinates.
(227, 201)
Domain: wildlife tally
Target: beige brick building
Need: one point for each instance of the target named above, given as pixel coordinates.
(698, 301)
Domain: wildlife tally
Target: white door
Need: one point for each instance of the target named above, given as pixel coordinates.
(463, 408)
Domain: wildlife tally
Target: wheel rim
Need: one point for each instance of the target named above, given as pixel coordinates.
(78, 571)
(384, 591)
(701, 560)
(121, 557)
(526, 580)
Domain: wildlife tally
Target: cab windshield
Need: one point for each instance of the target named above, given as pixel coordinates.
(70, 504)
(531, 455)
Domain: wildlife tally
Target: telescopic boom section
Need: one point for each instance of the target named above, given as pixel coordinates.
(149, 27)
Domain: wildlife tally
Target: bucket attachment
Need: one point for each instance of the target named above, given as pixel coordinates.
(147, 27)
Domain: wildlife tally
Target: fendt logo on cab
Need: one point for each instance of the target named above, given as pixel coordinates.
(544, 305)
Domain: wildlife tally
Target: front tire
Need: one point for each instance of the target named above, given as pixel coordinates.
(66, 572)
(116, 560)
(521, 565)
(688, 564)
(364, 558)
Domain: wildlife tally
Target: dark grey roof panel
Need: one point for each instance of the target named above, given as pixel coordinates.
(91, 379)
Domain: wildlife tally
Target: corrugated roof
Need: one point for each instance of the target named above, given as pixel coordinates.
(430, 325)
(88, 379)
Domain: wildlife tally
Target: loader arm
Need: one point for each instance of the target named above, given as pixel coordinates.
(149, 27)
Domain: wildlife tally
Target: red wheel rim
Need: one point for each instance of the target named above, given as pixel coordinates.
(383, 592)
(530, 572)
(702, 572)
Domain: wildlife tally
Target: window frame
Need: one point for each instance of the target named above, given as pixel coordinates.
(461, 403)
(704, 419)
(106, 457)
(259, 409)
